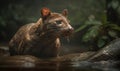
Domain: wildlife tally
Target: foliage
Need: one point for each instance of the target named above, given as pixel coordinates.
(99, 31)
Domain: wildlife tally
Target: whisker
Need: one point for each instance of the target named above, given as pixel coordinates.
(68, 39)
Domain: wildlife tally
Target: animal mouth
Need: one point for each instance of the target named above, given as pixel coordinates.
(68, 32)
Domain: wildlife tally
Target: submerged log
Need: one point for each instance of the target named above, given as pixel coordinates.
(110, 52)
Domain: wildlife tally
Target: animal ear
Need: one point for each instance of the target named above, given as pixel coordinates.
(65, 12)
(45, 12)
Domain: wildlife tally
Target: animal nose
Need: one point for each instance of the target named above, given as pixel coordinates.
(70, 29)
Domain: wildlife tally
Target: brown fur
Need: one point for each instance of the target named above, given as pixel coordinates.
(41, 39)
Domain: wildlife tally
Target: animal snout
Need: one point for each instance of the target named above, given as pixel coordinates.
(68, 32)
(70, 29)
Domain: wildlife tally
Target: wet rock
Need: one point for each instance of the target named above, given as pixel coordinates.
(74, 57)
(4, 51)
(110, 52)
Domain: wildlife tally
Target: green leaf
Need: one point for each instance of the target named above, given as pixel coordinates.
(101, 42)
(112, 33)
(88, 23)
(115, 4)
(114, 27)
(81, 28)
(91, 33)
(2, 22)
(93, 22)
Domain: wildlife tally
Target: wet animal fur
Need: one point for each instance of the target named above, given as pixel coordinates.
(38, 39)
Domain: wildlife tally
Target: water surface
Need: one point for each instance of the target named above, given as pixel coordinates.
(63, 66)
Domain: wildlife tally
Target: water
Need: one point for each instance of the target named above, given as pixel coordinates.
(63, 66)
(28, 64)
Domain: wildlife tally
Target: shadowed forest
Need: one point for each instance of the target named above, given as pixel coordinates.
(96, 22)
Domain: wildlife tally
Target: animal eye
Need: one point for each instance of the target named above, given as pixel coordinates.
(59, 22)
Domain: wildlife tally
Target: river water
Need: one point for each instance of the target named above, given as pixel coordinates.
(48, 65)
(63, 66)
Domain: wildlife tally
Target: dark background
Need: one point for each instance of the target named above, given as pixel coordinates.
(96, 22)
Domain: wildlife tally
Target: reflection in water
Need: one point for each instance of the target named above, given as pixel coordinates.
(29, 63)
(63, 66)
(97, 66)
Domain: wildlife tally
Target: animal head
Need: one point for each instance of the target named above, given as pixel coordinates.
(57, 23)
